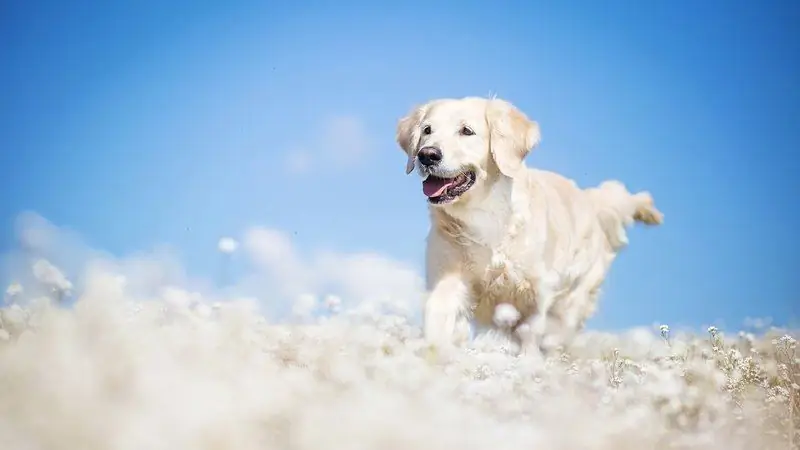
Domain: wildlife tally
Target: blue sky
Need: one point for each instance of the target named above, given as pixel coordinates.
(138, 124)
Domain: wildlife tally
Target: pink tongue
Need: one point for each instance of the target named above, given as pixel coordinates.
(434, 186)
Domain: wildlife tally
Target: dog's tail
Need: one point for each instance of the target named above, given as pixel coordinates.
(646, 211)
(618, 210)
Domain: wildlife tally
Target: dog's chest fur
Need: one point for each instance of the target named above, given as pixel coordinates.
(495, 266)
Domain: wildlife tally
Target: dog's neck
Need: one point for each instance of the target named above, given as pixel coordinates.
(484, 220)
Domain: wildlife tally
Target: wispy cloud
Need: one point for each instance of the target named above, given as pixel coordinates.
(355, 277)
(51, 276)
(339, 142)
(279, 274)
(298, 161)
(50, 257)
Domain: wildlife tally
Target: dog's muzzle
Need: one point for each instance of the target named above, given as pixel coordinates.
(429, 156)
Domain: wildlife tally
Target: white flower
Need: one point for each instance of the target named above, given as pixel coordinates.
(665, 333)
(712, 330)
(227, 245)
(505, 315)
(785, 341)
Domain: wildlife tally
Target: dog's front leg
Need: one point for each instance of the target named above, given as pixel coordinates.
(446, 310)
(535, 333)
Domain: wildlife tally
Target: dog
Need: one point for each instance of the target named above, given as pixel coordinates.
(504, 233)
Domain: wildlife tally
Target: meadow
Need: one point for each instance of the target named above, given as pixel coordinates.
(179, 371)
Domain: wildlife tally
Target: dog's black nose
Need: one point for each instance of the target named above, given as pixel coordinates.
(429, 156)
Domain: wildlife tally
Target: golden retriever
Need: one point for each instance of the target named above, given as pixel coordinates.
(503, 233)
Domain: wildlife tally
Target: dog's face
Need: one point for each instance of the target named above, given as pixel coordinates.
(460, 146)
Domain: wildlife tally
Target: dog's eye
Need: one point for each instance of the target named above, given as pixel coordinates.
(466, 131)
(426, 129)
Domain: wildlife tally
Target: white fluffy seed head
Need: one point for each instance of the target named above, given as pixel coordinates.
(505, 315)
(227, 245)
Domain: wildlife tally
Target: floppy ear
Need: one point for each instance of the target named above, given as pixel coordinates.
(511, 135)
(408, 134)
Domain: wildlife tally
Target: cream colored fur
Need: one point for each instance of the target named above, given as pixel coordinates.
(522, 236)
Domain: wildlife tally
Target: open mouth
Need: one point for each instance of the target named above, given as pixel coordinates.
(441, 190)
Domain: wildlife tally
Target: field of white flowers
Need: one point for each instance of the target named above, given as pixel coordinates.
(176, 372)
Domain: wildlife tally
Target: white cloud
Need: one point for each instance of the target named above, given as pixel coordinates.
(304, 305)
(355, 277)
(54, 257)
(61, 246)
(345, 139)
(51, 276)
(298, 161)
(340, 142)
(370, 276)
(273, 254)
(281, 277)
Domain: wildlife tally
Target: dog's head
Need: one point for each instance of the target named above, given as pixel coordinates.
(460, 146)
